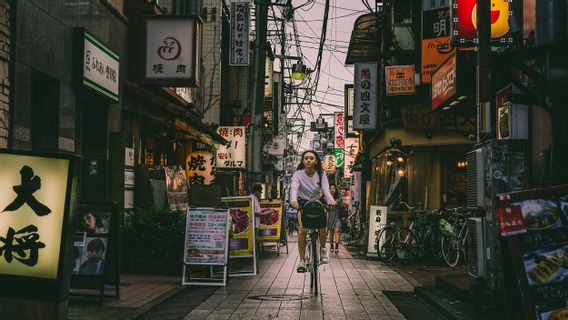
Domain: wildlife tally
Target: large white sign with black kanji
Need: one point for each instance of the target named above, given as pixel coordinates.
(365, 106)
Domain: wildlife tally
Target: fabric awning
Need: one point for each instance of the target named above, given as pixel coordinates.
(364, 43)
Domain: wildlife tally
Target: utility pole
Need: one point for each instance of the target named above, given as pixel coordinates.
(483, 68)
(255, 145)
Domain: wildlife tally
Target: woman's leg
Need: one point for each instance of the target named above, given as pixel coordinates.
(330, 233)
(323, 237)
(301, 238)
(337, 237)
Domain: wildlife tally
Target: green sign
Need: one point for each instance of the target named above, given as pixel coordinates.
(338, 152)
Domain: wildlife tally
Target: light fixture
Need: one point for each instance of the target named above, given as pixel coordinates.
(446, 108)
(298, 71)
(400, 159)
(453, 103)
(389, 163)
(400, 172)
(462, 98)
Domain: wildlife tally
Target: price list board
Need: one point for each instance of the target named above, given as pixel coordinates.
(206, 236)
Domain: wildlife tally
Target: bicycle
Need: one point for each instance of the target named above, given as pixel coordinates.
(313, 218)
(454, 244)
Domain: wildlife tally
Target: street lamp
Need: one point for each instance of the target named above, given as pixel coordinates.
(299, 71)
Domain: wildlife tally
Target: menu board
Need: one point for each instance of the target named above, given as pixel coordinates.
(206, 236)
(176, 188)
(543, 249)
(270, 220)
(242, 226)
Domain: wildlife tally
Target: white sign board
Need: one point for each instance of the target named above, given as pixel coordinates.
(240, 21)
(276, 147)
(366, 102)
(377, 220)
(100, 67)
(351, 150)
(232, 155)
(172, 49)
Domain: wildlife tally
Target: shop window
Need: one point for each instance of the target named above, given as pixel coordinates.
(44, 112)
(455, 194)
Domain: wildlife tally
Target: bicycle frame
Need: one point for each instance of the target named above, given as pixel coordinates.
(313, 259)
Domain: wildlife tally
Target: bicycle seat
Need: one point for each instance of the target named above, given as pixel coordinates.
(313, 215)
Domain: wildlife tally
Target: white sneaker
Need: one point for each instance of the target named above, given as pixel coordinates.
(323, 255)
(301, 266)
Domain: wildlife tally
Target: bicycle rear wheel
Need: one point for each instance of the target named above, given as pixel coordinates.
(386, 244)
(315, 262)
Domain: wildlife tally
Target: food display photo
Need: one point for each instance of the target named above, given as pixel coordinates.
(241, 220)
(540, 214)
(269, 216)
(546, 266)
(557, 310)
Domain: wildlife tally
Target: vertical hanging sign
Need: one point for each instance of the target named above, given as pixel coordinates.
(339, 144)
(200, 168)
(365, 106)
(240, 20)
(351, 150)
(268, 77)
(232, 155)
(436, 42)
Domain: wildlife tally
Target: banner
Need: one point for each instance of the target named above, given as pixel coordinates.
(232, 155)
(339, 128)
(242, 224)
(240, 21)
(270, 220)
(206, 236)
(176, 188)
(351, 150)
(366, 102)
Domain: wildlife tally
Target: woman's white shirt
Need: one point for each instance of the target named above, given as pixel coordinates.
(308, 188)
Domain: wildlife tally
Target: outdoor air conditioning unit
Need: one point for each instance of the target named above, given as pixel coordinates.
(476, 247)
(475, 179)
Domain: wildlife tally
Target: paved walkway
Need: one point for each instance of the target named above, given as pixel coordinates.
(350, 289)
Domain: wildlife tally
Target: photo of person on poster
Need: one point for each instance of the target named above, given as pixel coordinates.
(93, 257)
(94, 222)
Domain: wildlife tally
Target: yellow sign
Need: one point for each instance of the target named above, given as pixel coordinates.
(242, 221)
(33, 194)
(270, 220)
(200, 168)
(400, 80)
(434, 53)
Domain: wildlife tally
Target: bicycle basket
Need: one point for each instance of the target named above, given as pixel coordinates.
(446, 228)
(313, 215)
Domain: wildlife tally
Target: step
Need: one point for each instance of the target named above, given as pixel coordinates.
(448, 305)
(458, 284)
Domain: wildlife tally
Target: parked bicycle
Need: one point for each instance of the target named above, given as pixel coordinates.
(454, 242)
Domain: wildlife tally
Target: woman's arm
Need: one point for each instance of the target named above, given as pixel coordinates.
(325, 186)
(294, 189)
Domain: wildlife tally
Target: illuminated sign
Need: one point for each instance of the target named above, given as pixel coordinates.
(465, 21)
(444, 83)
(200, 168)
(436, 41)
(33, 200)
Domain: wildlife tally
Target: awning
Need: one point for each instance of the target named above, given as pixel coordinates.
(364, 43)
(183, 119)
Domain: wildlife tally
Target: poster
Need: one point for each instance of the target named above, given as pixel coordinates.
(270, 220)
(176, 188)
(206, 236)
(242, 223)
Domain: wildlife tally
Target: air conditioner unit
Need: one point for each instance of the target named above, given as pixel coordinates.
(475, 242)
(475, 179)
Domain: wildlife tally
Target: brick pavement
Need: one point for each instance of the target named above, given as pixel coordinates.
(350, 289)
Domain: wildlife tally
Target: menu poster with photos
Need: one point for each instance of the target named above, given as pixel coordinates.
(206, 236)
(542, 250)
(270, 220)
(176, 188)
(242, 224)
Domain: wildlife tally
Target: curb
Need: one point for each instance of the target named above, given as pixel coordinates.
(140, 312)
(408, 277)
(439, 303)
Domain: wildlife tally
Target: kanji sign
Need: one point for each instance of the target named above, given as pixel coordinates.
(100, 67)
(233, 155)
(33, 195)
(436, 40)
(351, 150)
(240, 20)
(365, 106)
(400, 80)
(172, 51)
(200, 168)
(339, 144)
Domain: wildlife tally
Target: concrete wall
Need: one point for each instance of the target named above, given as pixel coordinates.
(212, 60)
(5, 47)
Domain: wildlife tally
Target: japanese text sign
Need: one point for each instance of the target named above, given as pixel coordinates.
(351, 150)
(400, 80)
(465, 24)
(328, 164)
(240, 20)
(100, 67)
(232, 155)
(436, 40)
(242, 221)
(172, 51)
(206, 236)
(33, 199)
(270, 220)
(268, 77)
(339, 127)
(365, 105)
(444, 82)
(200, 168)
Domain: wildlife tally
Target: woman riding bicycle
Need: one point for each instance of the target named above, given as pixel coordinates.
(309, 183)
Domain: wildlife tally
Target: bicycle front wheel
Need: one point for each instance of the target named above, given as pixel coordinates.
(315, 262)
(386, 244)
(450, 250)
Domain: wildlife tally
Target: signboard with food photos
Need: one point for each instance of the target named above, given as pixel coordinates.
(270, 220)
(541, 252)
(242, 226)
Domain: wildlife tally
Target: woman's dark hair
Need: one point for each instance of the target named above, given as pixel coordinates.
(318, 162)
(96, 245)
(336, 193)
(98, 219)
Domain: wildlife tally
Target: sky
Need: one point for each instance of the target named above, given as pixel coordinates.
(334, 74)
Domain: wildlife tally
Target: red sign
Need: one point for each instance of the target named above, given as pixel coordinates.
(444, 82)
(510, 220)
(467, 19)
